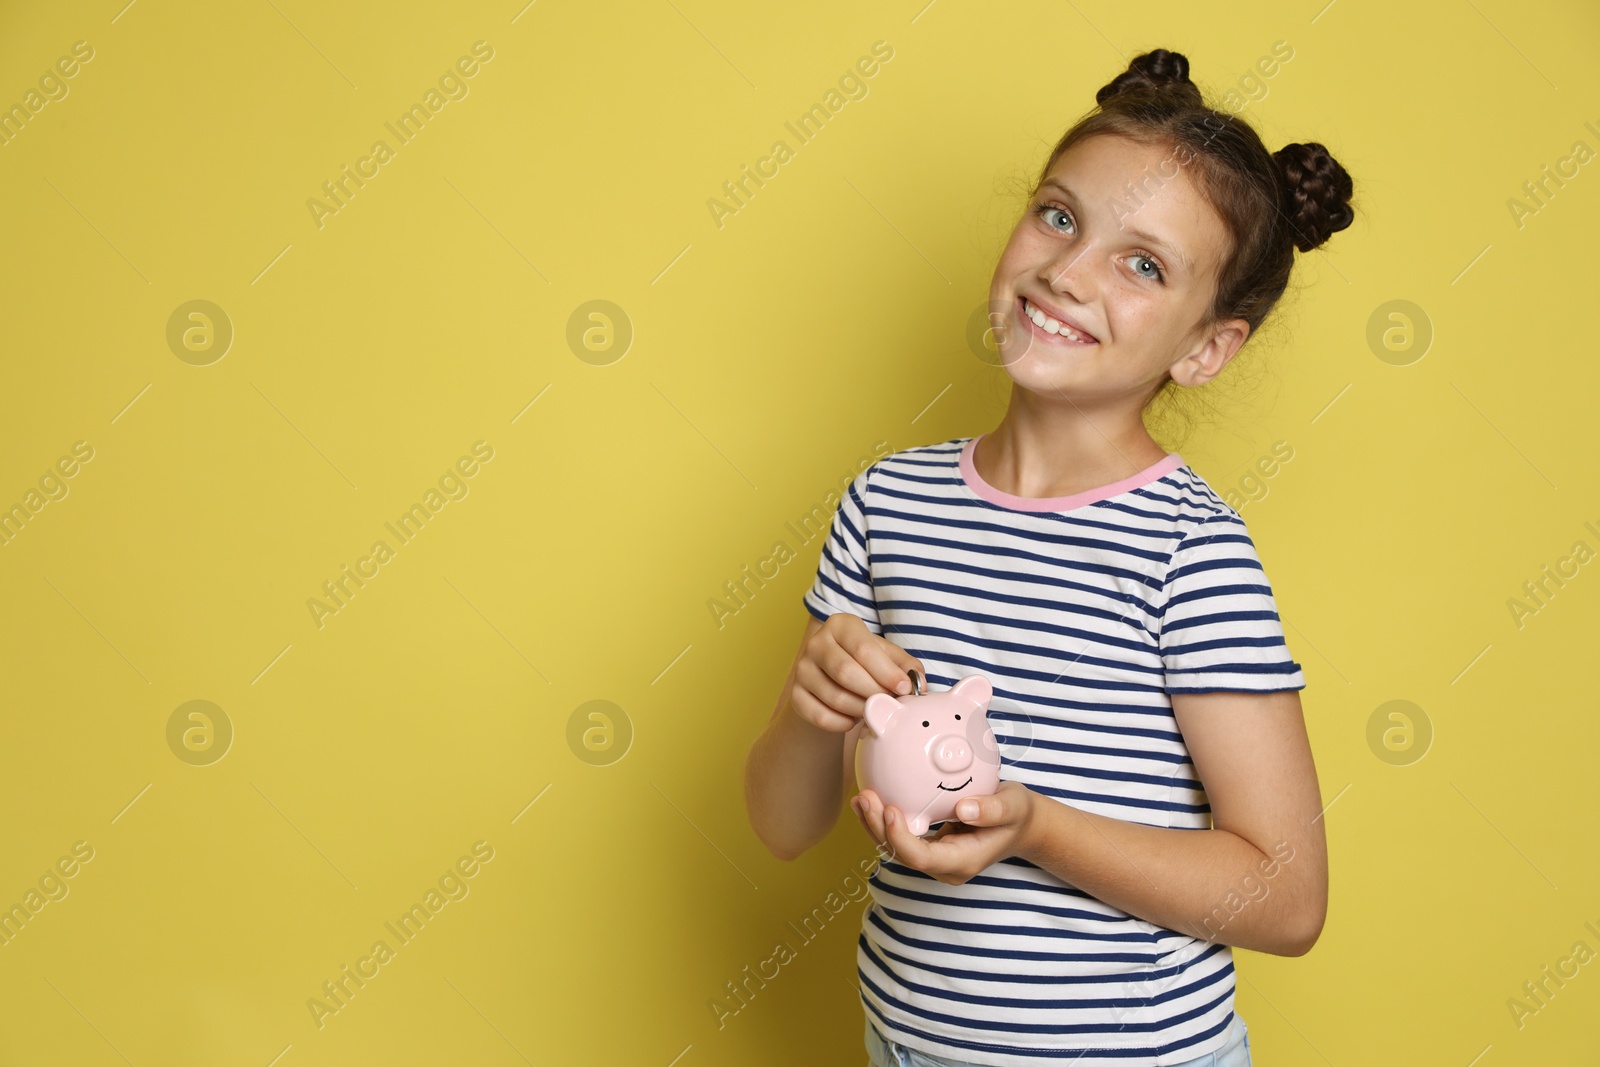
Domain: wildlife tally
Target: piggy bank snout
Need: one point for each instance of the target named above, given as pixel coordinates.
(951, 753)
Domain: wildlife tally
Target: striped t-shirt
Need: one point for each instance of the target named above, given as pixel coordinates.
(1085, 613)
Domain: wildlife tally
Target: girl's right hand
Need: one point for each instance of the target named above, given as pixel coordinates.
(843, 664)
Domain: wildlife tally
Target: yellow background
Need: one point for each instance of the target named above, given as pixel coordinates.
(768, 356)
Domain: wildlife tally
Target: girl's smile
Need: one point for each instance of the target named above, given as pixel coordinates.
(1054, 327)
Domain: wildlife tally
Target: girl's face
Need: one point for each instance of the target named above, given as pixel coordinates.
(1120, 245)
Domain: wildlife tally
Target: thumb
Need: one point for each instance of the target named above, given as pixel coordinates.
(982, 811)
(906, 662)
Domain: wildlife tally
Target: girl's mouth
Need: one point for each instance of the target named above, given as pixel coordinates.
(1049, 329)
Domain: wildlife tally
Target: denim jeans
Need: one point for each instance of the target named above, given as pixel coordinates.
(882, 1052)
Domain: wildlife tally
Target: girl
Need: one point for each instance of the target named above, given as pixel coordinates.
(1158, 802)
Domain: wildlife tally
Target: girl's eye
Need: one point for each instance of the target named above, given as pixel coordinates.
(1048, 211)
(1157, 276)
(1044, 211)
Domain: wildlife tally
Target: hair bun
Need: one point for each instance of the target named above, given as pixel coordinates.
(1158, 70)
(1316, 193)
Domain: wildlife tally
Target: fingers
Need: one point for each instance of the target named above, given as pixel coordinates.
(821, 700)
(903, 662)
(949, 862)
(870, 812)
(874, 816)
(843, 665)
(899, 837)
(865, 663)
(835, 671)
(818, 713)
(884, 661)
(816, 675)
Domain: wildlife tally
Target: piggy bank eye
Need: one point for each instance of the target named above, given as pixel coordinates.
(958, 715)
(924, 722)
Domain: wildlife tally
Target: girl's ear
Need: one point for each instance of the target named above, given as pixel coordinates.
(1207, 361)
(975, 690)
(880, 709)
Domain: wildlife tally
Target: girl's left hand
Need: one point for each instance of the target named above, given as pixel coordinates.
(991, 828)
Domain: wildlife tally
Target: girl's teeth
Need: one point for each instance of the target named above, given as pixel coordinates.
(1049, 325)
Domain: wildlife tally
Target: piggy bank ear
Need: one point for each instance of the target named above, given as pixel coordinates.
(975, 690)
(880, 709)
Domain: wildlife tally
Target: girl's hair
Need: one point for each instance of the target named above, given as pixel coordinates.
(1270, 202)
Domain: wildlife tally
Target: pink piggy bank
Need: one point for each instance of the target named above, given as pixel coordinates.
(924, 752)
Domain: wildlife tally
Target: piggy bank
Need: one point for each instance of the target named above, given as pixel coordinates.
(925, 751)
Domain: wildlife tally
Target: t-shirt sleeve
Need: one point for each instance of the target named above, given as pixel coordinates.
(844, 573)
(1220, 630)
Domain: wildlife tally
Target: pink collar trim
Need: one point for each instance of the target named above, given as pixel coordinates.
(969, 474)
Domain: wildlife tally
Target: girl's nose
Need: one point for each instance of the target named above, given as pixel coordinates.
(1070, 274)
